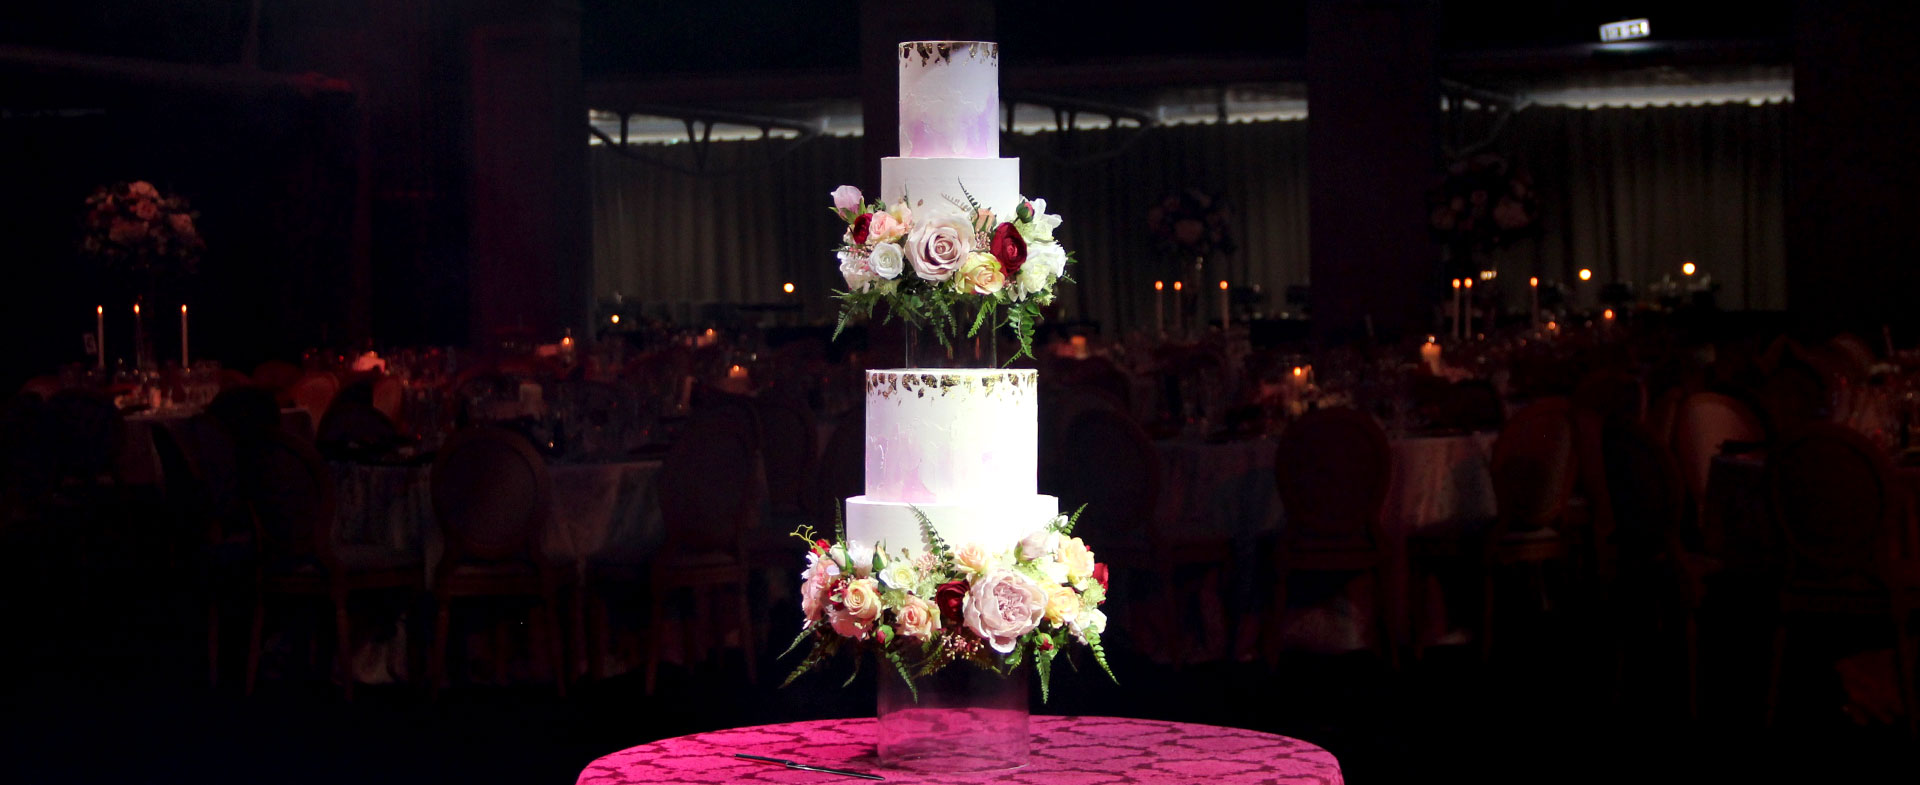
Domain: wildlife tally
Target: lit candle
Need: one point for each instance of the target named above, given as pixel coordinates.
(1607, 316)
(1430, 355)
(1688, 268)
(615, 319)
(788, 288)
(1466, 297)
(1226, 308)
(1533, 302)
(1456, 308)
(1179, 308)
(1159, 308)
(184, 364)
(1079, 344)
(100, 334)
(139, 338)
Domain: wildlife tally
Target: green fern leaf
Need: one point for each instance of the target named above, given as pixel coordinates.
(929, 538)
(901, 667)
(805, 633)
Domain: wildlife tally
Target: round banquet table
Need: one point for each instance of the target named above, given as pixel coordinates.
(1104, 750)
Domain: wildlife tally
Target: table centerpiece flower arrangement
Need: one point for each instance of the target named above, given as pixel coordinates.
(137, 230)
(946, 606)
(949, 265)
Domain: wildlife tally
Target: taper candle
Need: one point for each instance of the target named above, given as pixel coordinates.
(100, 334)
(1179, 308)
(1456, 308)
(139, 339)
(184, 364)
(1533, 302)
(1159, 307)
(1466, 296)
(1226, 308)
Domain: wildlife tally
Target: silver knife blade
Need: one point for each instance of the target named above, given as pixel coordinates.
(841, 772)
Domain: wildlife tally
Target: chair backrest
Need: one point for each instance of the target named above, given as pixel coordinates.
(353, 426)
(492, 495)
(841, 471)
(88, 433)
(1108, 463)
(1707, 420)
(276, 375)
(314, 392)
(1649, 494)
(1533, 465)
(709, 492)
(1616, 395)
(1332, 468)
(1663, 415)
(1834, 497)
(390, 398)
(788, 448)
(291, 493)
(1795, 394)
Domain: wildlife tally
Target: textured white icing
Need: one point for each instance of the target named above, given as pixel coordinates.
(949, 99)
(951, 436)
(929, 183)
(995, 525)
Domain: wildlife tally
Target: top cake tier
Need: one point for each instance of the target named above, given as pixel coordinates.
(952, 436)
(949, 99)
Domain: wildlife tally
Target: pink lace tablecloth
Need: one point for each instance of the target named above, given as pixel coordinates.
(1066, 751)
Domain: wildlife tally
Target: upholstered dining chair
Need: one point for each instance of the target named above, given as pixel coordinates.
(1836, 503)
(493, 499)
(1708, 420)
(314, 392)
(291, 495)
(1332, 468)
(1661, 573)
(707, 510)
(1614, 394)
(1534, 471)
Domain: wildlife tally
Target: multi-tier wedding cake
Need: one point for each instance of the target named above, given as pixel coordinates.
(952, 555)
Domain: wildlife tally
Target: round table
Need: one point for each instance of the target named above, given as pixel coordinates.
(1105, 750)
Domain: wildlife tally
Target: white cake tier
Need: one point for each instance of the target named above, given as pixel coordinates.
(949, 99)
(952, 436)
(937, 183)
(994, 525)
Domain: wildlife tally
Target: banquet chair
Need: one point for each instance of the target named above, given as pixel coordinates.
(1796, 393)
(1661, 571)
(390, 399)
(1836, 503)
(1107, 462)
(276, 375)
(707, 511)
(291, 495)
(1534, 470)
(1706, 422)
(493, 499)
(1332, 468)
(314, 392)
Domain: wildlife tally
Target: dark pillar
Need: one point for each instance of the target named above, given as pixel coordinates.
(529, 226)
(1853, 199)
(883, 25)
(1374, 101)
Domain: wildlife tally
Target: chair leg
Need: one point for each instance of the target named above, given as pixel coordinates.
(253, 639)
(596, 645)
(748, 649)
(343, 642)
(655, 640)
(437, 662)
(1276, 620)
(213, 642)
(547, 621)
(1176, 632)
(1774, 671)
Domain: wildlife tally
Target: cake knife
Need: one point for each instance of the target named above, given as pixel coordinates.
(804, 767)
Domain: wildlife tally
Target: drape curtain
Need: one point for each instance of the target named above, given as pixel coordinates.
(1628, 193)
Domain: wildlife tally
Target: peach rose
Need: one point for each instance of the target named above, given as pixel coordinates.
(973, 558)
(980, 275)
(847, 624)
(1003, 606)
(883, 228)
(1063, 603)
(917, 618)
(815, 586)
(862, 599)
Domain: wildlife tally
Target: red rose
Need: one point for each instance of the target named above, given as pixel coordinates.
(950, 597)
(1100, 574)
(1010, 248)
(860, 228)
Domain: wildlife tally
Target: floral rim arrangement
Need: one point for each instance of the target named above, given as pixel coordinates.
(1485, 202)
(135, 227)
(945, 606)
(943, 265)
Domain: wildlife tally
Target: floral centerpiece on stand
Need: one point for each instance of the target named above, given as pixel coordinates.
(920, 613)
(950, 266)
(139, 231)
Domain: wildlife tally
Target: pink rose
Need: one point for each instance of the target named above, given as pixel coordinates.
(1002, 607)
(126, 232)
(918, 618)
(847, 624)
(883, 228)
(145, 210)
(846, 199)
(143, 188)
(938, 245)
(182, 224)
(815, 586)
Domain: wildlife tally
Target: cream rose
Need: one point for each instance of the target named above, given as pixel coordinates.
(901, 213)
(886, 260)
(1087, 621)
(862, 599)
(981, 274)
(900, 574)
(938, 245)
(1077, 558)
(1047, 255)
(1033, 278)
(973, 558)
(1063, 603)
(918, 618)
(1003, 606)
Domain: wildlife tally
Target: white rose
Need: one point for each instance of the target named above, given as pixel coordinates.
(1088, 620)
(853, 268)
(1038, 544)
(900, 574)
(937, 246)
(1048, 255)
(1034, 278)
(887, 260)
